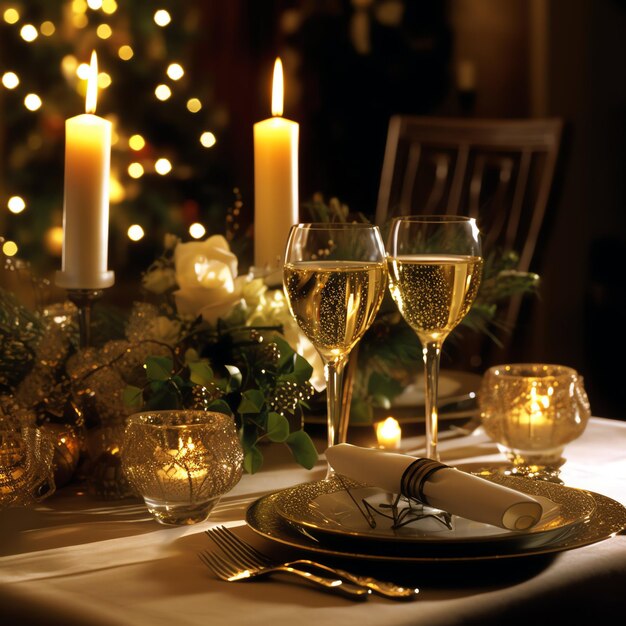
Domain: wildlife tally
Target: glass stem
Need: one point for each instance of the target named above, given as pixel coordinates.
(431, 351)
(333, 372)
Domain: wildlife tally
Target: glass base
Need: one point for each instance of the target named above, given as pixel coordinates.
(180, 514)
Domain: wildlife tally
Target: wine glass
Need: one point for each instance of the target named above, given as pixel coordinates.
(335, 276)
(435, 266)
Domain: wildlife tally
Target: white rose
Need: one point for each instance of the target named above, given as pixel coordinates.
(159, 280)
(206, 274)
(273, 310)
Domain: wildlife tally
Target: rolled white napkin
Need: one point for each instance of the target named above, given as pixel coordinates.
(437, 485)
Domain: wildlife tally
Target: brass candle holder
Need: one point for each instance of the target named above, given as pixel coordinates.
(84, 299)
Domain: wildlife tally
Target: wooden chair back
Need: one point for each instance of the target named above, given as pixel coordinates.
(500, 171)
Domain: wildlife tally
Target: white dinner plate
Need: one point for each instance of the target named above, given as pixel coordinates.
(327, 510)
(608, 518)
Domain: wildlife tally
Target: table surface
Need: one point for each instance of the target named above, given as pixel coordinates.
(76, 560)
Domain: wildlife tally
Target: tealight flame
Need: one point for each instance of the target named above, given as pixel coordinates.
(277, 89)
(92, 85)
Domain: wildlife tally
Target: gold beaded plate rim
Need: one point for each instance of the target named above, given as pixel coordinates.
(575, 506)
(608, 519)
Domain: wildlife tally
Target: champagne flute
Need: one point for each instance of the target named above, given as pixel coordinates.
(435, 266)
(335, 276)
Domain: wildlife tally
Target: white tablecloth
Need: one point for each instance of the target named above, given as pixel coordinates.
(76, 560)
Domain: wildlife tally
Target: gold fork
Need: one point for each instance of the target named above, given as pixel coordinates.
(229, 542)
(233, 569)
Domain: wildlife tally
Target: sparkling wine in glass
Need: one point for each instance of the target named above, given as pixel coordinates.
(335, 276)
(435, 266)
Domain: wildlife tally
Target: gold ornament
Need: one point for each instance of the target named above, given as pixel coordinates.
(66, 451)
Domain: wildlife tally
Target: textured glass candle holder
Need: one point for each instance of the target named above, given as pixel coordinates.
(531, 411)
(181, 462)
(26, 474)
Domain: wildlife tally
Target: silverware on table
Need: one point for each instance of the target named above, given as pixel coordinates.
(232, 544)
(232, 569)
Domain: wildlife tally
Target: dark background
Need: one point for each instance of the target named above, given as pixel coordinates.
(530, 58)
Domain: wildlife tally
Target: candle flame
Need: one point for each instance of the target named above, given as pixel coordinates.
(388, 433)
(277, 89)
(92, 85)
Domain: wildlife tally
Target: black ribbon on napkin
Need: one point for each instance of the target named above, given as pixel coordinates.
(415, 476)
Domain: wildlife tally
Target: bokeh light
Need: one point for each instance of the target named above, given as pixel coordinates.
(197, 231)
(163, 166)
(32, 102)
(54, 240)
(11, 15)
(10, 80)
(194, 105)
(28, 33)
(109, 6)
(162, 92)
(175, 71)
(135, 232)
(16, 204)
(79, 20)
(47, 28)
(104, 80)
(9, 248)
(207, 139)
(125, 53)
(136, 142)
(162, 17)
(135, 170)
(104, 31)
(117, 193)
(94, 4)
(82, 71)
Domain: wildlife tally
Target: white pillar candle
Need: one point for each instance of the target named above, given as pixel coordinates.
(275, 181)
(86, 201)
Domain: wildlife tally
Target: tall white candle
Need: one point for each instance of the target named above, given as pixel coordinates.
(86, 201)
(275, 180)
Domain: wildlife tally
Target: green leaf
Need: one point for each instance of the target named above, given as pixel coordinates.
(248, 436)
(286, 351)
(200, 373)
(220, 406)
(252, 401)
(302, 368)
(277, 427)
(252, 460)
(158, 367)
(191, 356)
(302, 448)
(132, 397)
(164, 398)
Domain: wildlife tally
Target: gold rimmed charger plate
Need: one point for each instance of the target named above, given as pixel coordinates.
(608, 519)
(313, 507)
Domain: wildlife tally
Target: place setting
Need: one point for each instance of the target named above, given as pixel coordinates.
(380, 505)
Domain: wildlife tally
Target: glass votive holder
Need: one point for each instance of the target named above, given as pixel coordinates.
(181, 462)
(531, 411)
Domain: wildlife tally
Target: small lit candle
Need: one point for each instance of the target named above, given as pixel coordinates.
(183, 467)
(535, 415)
(275, 180)
(389, 434)
(86, 202)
